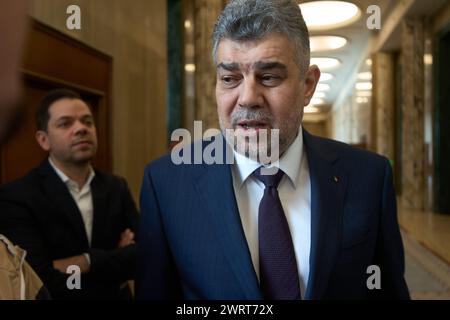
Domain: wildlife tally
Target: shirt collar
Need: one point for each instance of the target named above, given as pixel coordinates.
(67, 180)
(289, 162)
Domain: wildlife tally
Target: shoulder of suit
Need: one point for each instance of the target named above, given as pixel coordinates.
(28, 182)
(346, 152)
(166, 162)
(108, 178)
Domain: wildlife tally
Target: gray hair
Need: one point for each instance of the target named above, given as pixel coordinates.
(246, 20)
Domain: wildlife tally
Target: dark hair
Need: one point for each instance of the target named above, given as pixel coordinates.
(42, 114)
(246, 20)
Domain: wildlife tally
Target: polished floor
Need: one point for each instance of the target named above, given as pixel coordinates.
(426, 238)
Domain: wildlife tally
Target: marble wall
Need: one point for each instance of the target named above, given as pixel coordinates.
(351, 122)
(383, 104)
(206, 13)
(413, 146)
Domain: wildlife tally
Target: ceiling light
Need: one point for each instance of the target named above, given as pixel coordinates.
(428, 59)
(311, 109)
(190, 67)
(322, 87)
(323, 15)
(317, 101)
(364, 93)
(326, 64)
(361, 100)
(325, 77)
(326, 43)
(365, 76)
(187, 24)
(318, 94)
(369, 62)
(363, 86)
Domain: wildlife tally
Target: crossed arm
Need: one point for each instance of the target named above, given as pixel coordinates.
(82, 260)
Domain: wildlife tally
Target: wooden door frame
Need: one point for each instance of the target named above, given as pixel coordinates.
(40, 72)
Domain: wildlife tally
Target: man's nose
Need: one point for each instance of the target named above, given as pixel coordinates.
(80, 128)
(250, 94)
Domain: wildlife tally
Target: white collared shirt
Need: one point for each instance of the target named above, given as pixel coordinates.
(295, 195)
(83, 198)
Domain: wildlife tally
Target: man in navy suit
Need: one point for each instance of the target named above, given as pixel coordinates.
(325, 228)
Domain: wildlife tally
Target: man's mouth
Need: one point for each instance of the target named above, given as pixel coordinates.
(82, 143)
(252, 125)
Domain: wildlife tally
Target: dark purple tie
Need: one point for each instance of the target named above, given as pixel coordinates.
(278, 273)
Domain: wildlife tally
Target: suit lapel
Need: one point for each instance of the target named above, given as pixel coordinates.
(328, 186)
(215, 189)
(59, 194)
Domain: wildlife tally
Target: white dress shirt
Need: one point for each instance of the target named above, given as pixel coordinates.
(295, 195)
(83, 198)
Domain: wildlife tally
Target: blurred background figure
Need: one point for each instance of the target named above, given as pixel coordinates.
(18, 281)
(12, 32)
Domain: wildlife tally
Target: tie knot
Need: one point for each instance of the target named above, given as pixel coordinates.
(269, 180)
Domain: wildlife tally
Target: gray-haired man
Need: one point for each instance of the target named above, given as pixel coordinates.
(312, 230)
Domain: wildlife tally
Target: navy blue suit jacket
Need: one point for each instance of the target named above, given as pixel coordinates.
(192, 244)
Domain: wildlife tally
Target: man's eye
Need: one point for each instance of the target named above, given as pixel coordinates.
(229, 80)
(63, 125)
(270, 78)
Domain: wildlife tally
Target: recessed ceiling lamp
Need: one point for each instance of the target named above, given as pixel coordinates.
(326, 43)
(326, 64)
(317, 101)
(325, 15)
(311, 109)
(326, 77)
(322, 87)
(189, 67)
(428, 59)
(318, 94)
(365, 76)
(364, 93)
(363, 86)
(361, 100)
(369, 62)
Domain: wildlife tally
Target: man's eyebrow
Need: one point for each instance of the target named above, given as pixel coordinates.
(233, 66)
(261, 65)
(63, 118)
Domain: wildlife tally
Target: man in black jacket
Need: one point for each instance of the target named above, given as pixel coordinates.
(72, 220)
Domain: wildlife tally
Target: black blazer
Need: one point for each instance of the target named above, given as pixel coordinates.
(38, 213)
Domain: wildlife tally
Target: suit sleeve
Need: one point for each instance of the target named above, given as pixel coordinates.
(18, 223)
(157, 277)
(389, 255)
(119, 264)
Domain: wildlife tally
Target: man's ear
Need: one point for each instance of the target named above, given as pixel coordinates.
(311, 79)
(42, 140)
